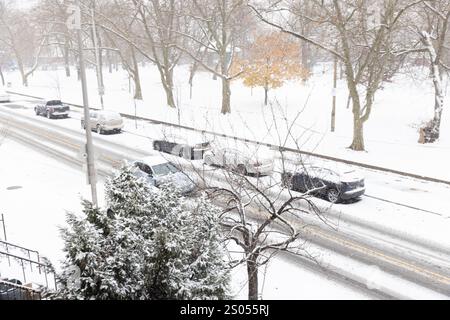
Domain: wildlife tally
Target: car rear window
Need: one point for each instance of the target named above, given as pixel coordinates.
(54, 103)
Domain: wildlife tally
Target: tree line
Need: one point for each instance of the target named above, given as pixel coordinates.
(263, 42)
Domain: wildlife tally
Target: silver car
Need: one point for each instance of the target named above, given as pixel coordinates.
(239, 162)
(104, 121)
(157, 171)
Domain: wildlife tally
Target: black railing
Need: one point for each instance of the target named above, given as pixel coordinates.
(29, 252)
(2, 219)
(13, 291)
(43, 268)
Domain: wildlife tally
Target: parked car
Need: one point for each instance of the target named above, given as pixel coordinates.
(240, 161)
(52, 109)
(156, 170)
(332, 184)
(104, 121)
(4, 96)
(191, 146)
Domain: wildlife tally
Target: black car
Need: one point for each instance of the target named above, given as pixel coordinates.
(52, 109)
(181, 147)
(333, 185)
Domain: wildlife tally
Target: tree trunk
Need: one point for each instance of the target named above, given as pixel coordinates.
(136, 76)
(167, 80)
(24, 78)
(2, 76)
(358, 135)
(432, 130)
(252, 273)
(22, 73)
(333, 106)
(100, 58)
(226, 96)
(66, 58)
(216, 69)
(194, 68)
(306, 61)
(108, 56)
(266, 95)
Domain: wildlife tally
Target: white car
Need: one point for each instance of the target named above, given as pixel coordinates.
(104, 121)
(241, 162)
(4, 96)
(156, 170)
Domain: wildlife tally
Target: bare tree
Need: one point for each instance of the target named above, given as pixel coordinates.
(260, 214)
(54, 14)
(361, 34)
(218, 26)
(433, 34)
(24, 37)
(124, 49)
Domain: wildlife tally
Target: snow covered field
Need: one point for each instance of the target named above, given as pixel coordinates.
(399, 110)
(36, 191)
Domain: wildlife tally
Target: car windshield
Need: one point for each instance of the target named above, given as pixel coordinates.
(164, 169)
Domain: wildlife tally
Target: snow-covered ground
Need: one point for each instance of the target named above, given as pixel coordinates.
(37, 190)
(44, 190)
(391, 132)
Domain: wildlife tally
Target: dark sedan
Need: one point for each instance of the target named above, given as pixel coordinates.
(333, 185)
(180, 147)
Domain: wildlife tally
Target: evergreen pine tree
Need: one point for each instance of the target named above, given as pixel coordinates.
(147, 244)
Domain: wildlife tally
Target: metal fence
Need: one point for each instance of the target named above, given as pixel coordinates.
(13, 291)
(24, 263)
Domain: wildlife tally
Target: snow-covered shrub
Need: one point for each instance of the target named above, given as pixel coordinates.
(145, 245)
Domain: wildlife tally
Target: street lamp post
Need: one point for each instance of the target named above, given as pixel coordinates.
(74, 22)
(101, 87)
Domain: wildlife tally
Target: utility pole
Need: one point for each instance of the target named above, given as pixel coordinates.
(74, 22)
(101, 87)
(333, 109)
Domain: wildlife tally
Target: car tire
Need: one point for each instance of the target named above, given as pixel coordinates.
(99, 129)
(182, 153)
(241, 169)
(333, 195)
(287, 183)
(157, 146)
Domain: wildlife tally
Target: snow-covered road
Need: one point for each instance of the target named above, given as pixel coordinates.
(47, 189)
(375, 225)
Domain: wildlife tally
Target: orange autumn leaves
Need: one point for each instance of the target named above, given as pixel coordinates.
(272, 60)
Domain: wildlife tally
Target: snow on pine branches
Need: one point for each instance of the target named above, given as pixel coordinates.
(147, 244)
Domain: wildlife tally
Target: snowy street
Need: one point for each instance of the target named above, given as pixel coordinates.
(378, 232)
(215, 150)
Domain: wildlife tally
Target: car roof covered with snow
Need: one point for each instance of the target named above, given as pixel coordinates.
(153, 160)
(181, 135)
(108, 113)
